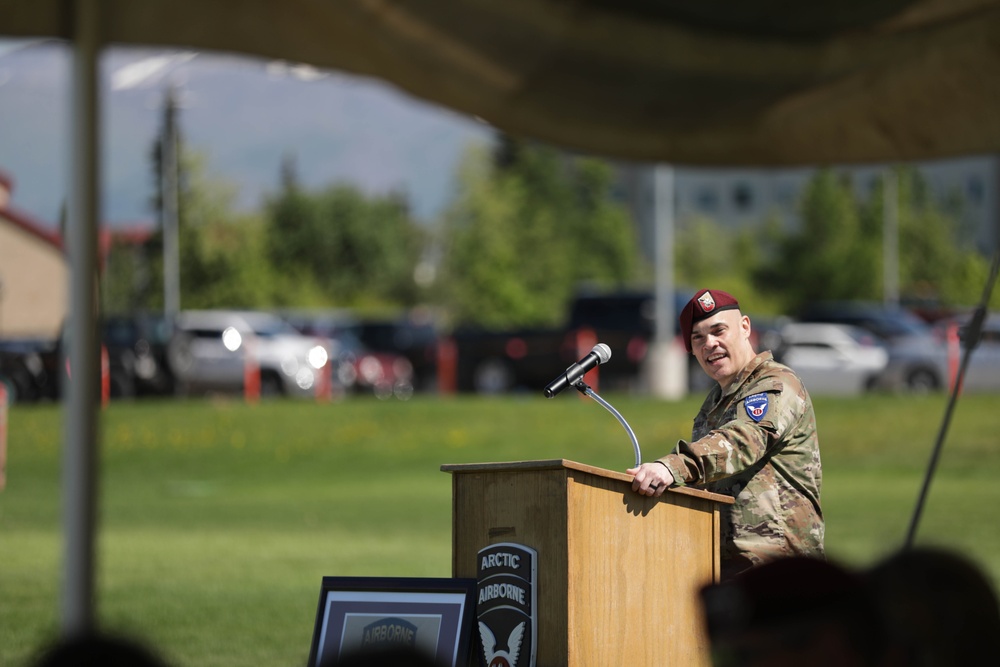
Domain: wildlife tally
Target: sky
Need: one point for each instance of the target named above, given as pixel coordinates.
(244, 116)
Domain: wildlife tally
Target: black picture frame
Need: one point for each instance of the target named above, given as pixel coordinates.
(434, 614)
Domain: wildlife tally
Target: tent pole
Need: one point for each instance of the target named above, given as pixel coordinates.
(81, 344)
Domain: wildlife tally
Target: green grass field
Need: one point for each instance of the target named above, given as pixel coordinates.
(218, 520)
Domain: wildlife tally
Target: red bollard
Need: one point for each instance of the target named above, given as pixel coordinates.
(3, 436)
(447, 366)
(105, 377)
(251, 371)
(954, 352)
(324, 380)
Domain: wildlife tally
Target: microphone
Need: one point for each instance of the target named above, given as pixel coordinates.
(598, 355)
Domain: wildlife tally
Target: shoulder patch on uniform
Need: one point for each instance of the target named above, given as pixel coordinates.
(756, 406)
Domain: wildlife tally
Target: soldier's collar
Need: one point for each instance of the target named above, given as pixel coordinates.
(748, 370)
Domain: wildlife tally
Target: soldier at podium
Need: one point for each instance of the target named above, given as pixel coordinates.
(754, 439)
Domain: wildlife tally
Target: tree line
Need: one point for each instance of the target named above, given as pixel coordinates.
(528, 226)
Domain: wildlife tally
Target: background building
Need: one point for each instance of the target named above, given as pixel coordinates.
(34, 274)
(741, 197)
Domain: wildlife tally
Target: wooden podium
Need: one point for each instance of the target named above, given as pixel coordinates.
(618, 573)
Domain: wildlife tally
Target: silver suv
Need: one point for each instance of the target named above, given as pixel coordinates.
(208, 353)
(917, 360)
(833, 358)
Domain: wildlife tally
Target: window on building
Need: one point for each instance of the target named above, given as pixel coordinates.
(974, 190)
(707, 199)
(743, 197)
(785, 194)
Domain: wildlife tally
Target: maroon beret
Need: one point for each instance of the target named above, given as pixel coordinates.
(704, 303)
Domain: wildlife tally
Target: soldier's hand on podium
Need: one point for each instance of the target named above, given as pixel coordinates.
(651, 479)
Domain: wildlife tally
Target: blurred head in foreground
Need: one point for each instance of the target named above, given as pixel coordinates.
(97, 650)
(792, 612)
(939, 609)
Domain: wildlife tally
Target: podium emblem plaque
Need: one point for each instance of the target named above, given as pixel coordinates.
(506, 605)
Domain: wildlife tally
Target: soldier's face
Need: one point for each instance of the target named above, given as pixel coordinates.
(721, 344)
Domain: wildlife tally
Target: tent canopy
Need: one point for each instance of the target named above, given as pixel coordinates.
(718, 82)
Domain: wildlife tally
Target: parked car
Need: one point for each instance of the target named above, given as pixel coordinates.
(208, 353)
(408, 336)
(494, 361)
(833, 358)
(917, 358)
(983, 371)
(356, 367)
(137, 347)
(384, 374)
(29, 369)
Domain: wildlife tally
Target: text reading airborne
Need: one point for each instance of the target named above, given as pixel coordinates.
(501, 591)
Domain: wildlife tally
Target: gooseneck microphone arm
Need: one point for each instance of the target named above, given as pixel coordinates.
(583, 388)
(573, 377)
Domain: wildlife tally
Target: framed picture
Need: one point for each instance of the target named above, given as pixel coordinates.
(432, 615)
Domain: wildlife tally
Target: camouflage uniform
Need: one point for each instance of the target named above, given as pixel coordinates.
(769, 463)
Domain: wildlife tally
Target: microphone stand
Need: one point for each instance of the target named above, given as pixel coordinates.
(585, 389)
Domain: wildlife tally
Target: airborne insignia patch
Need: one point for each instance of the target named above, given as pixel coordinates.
(506, 605)
(756, 406)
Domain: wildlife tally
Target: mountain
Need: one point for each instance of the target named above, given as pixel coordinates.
(244, 115)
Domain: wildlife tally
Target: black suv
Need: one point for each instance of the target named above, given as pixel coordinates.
(29, 369)
(137, 354)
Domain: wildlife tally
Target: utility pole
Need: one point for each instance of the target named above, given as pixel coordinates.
(667, 369)
(169, 206)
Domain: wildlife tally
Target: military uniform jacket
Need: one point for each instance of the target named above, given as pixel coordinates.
(758, 444)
